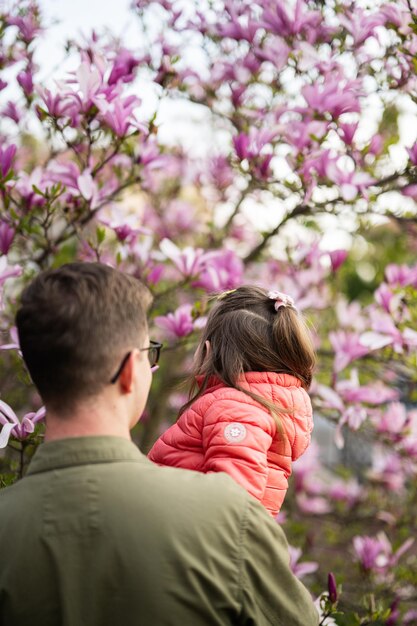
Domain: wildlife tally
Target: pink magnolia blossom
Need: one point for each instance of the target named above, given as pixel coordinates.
(222, 269)
(84, 89)
(240, 71)
(349, 491)
(328, 398)
(410, 617)
(398, 15)
(90, 82)
(303, 135)
(310, 254)
(361, 25)
(373, 393)
(27, 182)
(220, 172)
(119, 115)
(126, 233)
(250, 145)
(409, 445)
(315, 165)
(337, 258)
(11, 111)
(385, 333)
(275, 50)
(309, 57)
(348, 347)
(149, 153)
(313, 505)
(126, 228)
(376, 145)
(67, 173)
(25, 80)
(123, 67)
(332, 97)
(376, 553)
(178, 218)
(393, 420)
(279, 18)
(347, 131)
(88, 188)
(412, 153)
(353, 416)
(7, 234)
(60, 104)
(401, 275)
(78, 183)
(390, 470)
(12, 426)
(6, 272)
(235, 29)
(155, 273)
(408, 438)
(350, 315)
(410, 191)
(350, 182)
(6, 158)
(177, 324)
(27, 23)
(384, 296)
(189, 261)
(373, 553)
(300, 569)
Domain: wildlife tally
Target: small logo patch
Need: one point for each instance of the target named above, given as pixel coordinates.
(234, 432)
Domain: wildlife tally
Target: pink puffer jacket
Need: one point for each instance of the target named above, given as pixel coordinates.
(226, 431)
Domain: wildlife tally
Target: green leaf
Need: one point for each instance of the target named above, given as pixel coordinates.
(100, 234)
(38, 191)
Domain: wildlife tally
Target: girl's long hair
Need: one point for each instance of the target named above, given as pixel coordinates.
(247, 334)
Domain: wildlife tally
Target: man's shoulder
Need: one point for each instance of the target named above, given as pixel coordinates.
(15, 498)
(210, 490)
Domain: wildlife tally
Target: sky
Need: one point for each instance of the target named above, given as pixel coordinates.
(76, 16)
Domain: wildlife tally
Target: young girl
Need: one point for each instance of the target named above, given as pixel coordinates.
(249, 414)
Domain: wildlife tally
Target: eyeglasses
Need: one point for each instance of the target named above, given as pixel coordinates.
(154, 350)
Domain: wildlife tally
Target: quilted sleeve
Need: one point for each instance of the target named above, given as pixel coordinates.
(236, 438)
(302, 423)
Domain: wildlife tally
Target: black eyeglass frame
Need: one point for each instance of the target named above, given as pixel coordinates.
(154, 345)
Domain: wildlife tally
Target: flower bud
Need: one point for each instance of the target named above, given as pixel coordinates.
(332, 587)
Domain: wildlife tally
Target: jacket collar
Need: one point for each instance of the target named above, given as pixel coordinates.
(83, 451)
(253, 379)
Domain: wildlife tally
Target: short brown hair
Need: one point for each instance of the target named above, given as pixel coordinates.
(74, 323)
(247, 334)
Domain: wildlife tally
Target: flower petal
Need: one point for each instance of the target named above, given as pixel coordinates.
(5, 434)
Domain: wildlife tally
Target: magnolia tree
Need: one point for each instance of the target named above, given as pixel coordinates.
(301, 102)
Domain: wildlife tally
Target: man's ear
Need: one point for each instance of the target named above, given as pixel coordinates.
(127, 373)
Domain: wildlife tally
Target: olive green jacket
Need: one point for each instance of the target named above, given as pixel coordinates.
(97, 535)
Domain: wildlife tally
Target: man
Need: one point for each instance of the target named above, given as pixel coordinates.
(96, 534)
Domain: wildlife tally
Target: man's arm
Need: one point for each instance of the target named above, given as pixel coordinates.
(271, 594)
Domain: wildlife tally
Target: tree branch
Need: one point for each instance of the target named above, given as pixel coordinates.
(300, 209)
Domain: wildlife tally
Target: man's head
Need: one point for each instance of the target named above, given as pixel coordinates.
(75, 326)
